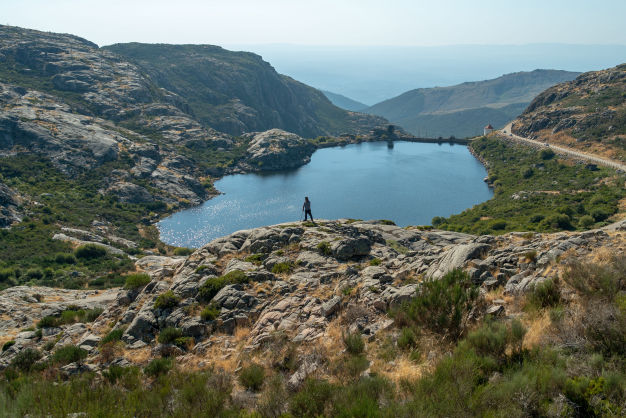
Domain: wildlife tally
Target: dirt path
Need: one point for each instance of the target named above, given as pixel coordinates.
(507, 134)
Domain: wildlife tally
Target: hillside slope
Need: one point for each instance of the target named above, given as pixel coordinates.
(91, 145)
(588, 113)
(237, 92)
(344, 102)
(506, 94)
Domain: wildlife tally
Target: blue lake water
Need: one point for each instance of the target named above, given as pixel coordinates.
(409, 184)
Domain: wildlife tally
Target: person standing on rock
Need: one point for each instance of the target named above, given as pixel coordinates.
(306, 208)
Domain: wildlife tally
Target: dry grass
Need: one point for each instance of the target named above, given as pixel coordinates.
(323, 292)
(498, 293)
(403, 369)
(538, 329)
(139, 356)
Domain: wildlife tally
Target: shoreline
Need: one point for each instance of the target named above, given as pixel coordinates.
(461, 142)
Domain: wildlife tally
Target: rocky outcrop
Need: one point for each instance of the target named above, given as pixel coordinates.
(9, 202)
(296, 288)
(588, 113)
(275, 150)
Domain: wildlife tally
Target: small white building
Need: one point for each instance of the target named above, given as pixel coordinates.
(488, 129)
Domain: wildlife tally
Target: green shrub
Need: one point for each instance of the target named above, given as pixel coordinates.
(546, 154)
(203, 268)
(47, 322)
(167, 300)
(63, 258)
(256, 258)
(210, 312)
(375, 262)
(93, 314)
(545, 294)
(115, 373)
(560, 221)
(386, 222)
(280, 268)
(604, 280)
(604, 328)
(251, 377)
(586, 221)
(407, 339)
(437, 220)
(26, 359)
(498, 225)
(183, 252)
(34, 273)
(530, 256)
(90, 252)
(324, 248)
(113, 335)
(169, 335)
(68, 354)
(441, 305)
(401, 249)
(213, 285)
(599, 215)
(350, 366)
(136, 280)
(273, 400)
(312, 399)
(6, 275)
(354, 343)
(8, 345)
(527, 172)
(158, 367)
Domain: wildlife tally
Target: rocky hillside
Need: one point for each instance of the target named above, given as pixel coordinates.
(92, 142)
(463, 110)
(301, 280)
(344, 302)
(237, 92)
(588, 113)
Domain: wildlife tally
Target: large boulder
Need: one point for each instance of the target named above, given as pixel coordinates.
(130, 192)
(277, 150)
(348, 248)
(456, 258)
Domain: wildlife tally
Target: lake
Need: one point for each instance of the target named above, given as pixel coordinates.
(408, 184)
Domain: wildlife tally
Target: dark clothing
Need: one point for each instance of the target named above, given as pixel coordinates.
(308, 212)
(307, 205)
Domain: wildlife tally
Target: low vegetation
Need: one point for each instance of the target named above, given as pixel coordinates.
(29, 255)
(213, 285)
(550, 195)
(492, 369)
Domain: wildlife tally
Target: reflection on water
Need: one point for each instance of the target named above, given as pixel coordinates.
(409, 183)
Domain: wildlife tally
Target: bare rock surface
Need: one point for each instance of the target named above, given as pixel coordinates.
(315, 287)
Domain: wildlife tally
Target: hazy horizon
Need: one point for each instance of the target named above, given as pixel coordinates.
(362, 49)
(326, 22)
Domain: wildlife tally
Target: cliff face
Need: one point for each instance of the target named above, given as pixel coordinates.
(588, 113)
(237, 92)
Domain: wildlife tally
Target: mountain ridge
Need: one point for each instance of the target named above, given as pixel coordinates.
(510, 89)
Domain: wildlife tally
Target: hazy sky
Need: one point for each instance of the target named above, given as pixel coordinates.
(326, 22)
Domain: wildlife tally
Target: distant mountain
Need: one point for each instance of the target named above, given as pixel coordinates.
(463, 123)
(237, 92)
(344, 102)
(588, 113)
(463, 110)
(373, 73)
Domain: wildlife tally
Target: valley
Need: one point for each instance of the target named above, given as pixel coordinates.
(153, 261)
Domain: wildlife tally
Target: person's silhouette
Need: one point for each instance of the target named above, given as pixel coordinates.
(306, 207)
